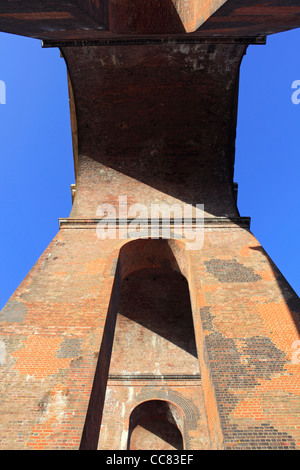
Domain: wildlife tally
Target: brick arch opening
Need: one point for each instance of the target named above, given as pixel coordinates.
(154, 317)
(156, 425)
(149, 330)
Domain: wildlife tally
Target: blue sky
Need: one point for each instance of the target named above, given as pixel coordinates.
(37, 162)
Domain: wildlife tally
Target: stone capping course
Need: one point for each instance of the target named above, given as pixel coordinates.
(215, 222)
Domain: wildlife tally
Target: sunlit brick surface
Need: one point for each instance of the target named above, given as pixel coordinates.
(244, 331)
(107, 338)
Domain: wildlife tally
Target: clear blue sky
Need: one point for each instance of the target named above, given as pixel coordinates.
(37, 162)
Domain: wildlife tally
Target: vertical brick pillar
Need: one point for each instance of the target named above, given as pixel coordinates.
(155, 124)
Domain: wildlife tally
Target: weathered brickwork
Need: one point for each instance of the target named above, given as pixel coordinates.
(96, 19)
(185, 81)
(244, 334)
(249, 335)
(132, 341)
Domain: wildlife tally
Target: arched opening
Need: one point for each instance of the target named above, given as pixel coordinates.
(155, 425)
(154, 330)
(148, 341)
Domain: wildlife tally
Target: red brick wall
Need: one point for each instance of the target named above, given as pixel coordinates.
(244, 317)
(149, 125)
(155, 123)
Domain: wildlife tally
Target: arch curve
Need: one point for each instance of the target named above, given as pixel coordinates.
(145, 253)
(156, 423)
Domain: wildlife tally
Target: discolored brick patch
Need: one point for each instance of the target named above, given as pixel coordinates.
(231, 271)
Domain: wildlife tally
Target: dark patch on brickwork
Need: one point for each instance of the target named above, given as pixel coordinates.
(13, 312)
(264, 358)
(261, 437)
(240, 364)
(241, 367)
(207, 318)
(70, 347)
(231, 271)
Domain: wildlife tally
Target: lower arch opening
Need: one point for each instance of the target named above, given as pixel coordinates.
(154, 425)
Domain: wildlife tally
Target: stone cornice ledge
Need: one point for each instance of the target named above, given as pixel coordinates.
(208, 222)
